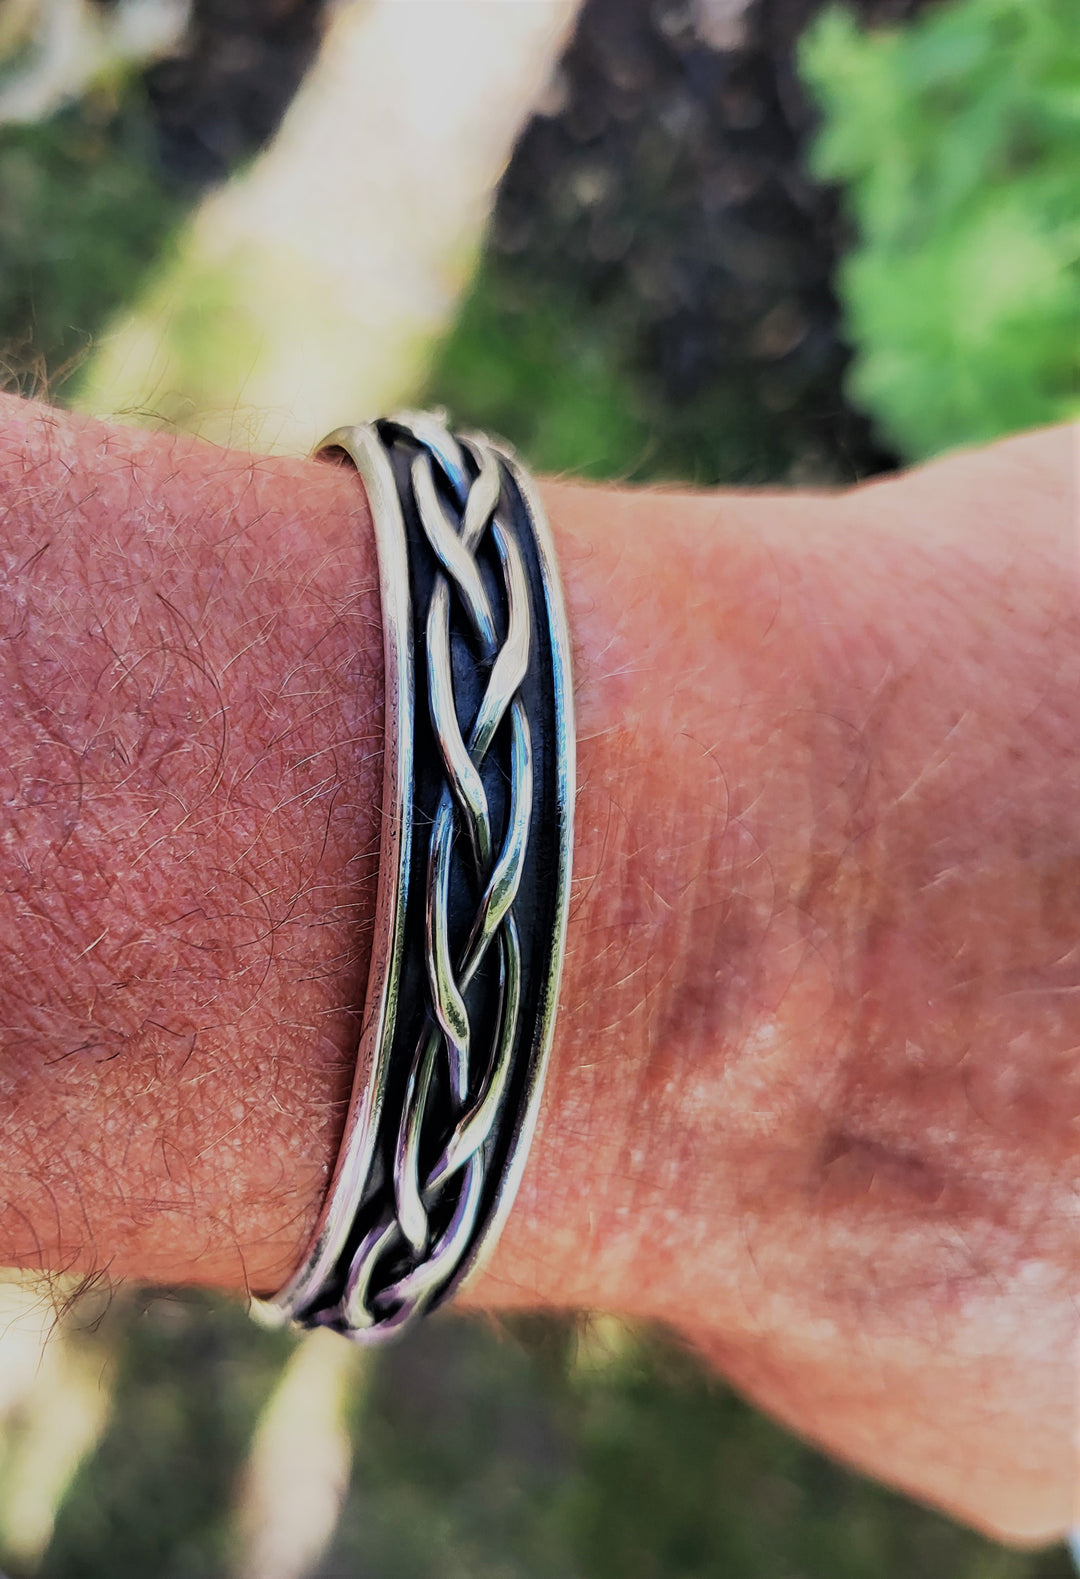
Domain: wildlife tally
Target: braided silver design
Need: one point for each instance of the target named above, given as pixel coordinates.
(474, 879)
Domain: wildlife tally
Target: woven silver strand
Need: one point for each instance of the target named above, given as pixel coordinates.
(473, 884)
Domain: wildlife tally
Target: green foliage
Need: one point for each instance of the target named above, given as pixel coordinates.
(525, 364)
(83, 215)
(958, 142)
(547, 1454)
(539, 1449)
(155, 1497)
(533, 359)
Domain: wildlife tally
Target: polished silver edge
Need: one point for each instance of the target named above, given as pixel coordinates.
(566, 787)
(367, 453)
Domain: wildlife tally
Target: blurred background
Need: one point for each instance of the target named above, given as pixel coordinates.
(711, 240)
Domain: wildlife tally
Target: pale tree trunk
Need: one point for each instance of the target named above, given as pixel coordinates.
(311, 289)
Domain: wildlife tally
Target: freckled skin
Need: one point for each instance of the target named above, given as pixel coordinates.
(815, 1092)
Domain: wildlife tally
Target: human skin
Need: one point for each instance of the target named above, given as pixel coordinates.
(815, 1095)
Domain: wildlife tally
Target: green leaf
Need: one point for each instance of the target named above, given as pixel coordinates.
(957, 143)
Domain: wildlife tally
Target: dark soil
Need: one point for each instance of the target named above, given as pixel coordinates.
(221, 98)
(666, 184)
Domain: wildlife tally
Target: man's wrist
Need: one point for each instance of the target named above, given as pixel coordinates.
(814, 1085)
(215, 620)
(691, 1000)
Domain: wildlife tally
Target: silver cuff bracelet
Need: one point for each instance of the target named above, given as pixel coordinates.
(474, 879)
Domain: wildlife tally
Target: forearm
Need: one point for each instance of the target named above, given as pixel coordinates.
(191, 705)
(813, 1090)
